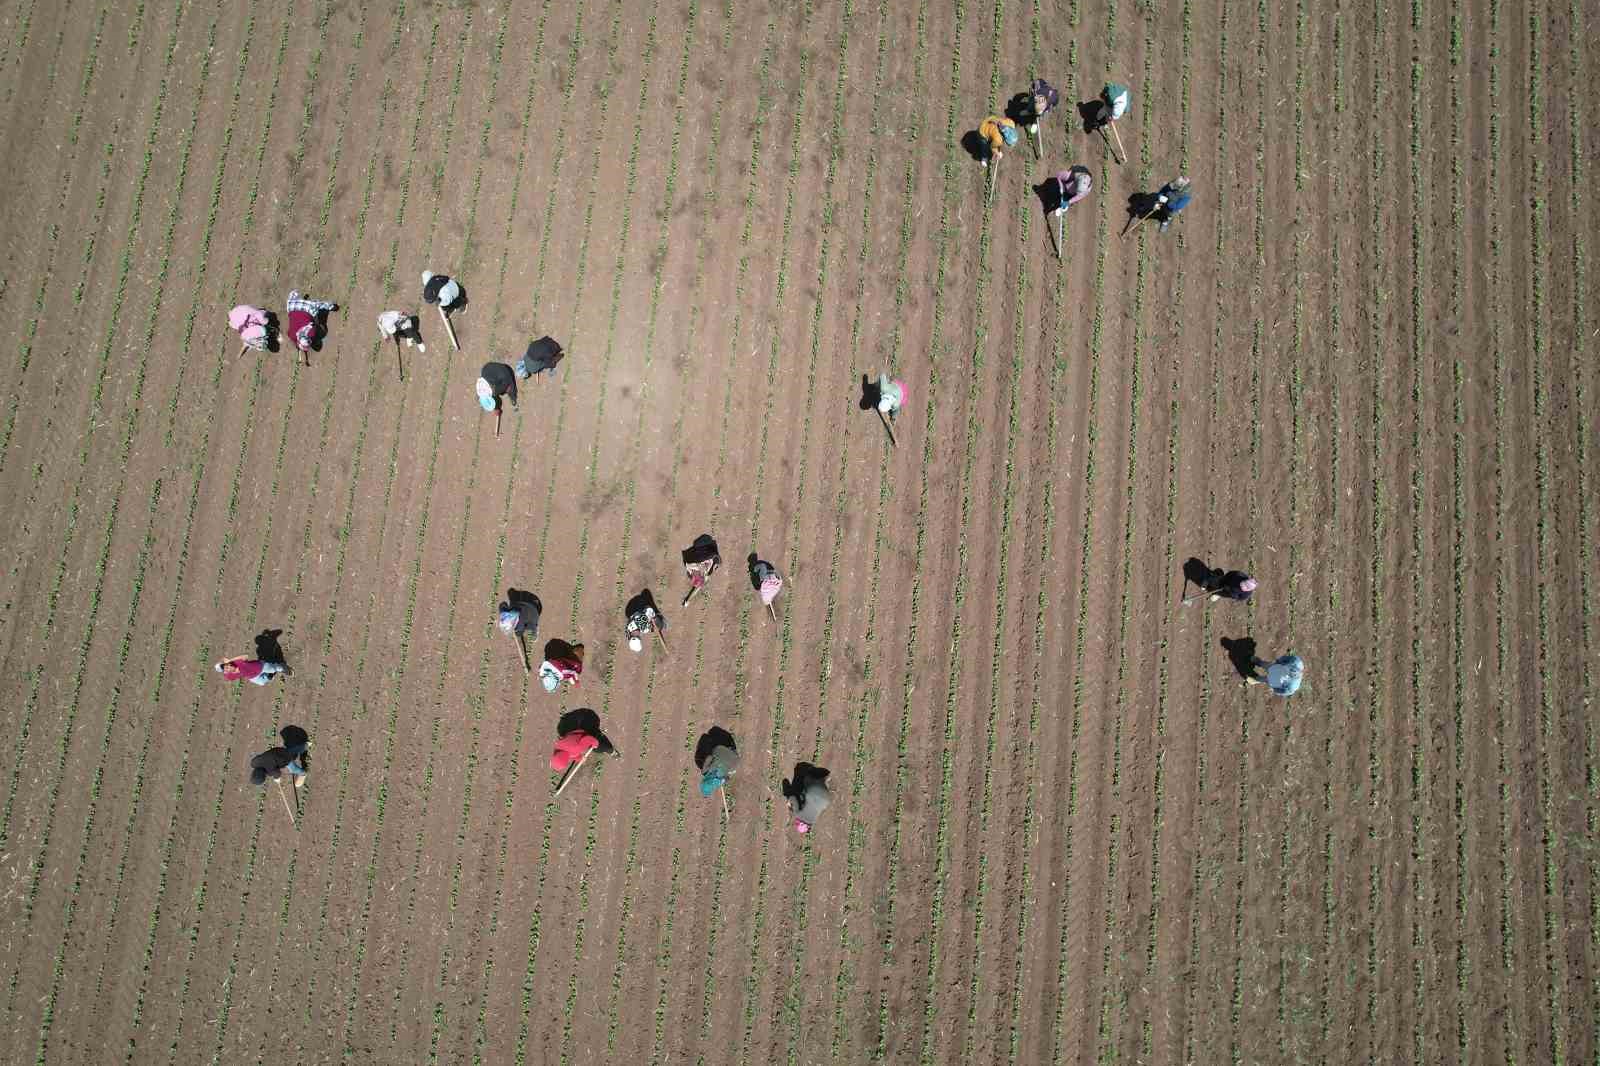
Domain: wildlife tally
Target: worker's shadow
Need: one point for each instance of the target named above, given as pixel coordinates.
(268, 650)
(715, 737)
(974, 145)
(1196, 573)
(1019, 109)
(1094, 115)
(640, 602)
(556, 648)
(1242, 654)
(583, 719)
(870, 394)
(1049, 193)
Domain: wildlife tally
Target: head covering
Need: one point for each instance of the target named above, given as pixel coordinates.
(244, 315)
(801, 827)
(635, 644)
(1008, 134)
(427, 276)
(1285, 674)
(771, 585)
(485, 395)
(254, 334)
(1248, 584)
(712, 780)
(1117, 96)
(551, 682)
(302, 340)
(509, 620)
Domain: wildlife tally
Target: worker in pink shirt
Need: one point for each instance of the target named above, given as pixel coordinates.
(252, 325)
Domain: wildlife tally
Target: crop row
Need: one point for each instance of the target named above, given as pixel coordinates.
(343, 532)
(64, 182)
(140, 569)
(862, 753)
(286, 926)
(513, 771)
(170, 836)
(474, 700)
(37, 865)
(248, 617)
(783, 1005)
(1577, 123)
(942, 352)
(398, 671)
(1065, 976)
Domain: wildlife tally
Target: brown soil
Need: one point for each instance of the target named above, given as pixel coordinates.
(1360, 366)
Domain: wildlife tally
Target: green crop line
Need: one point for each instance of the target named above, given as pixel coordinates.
(47, 630)
(940, 349)
(64, 182)
(128, 628)
(343, 534)
(1501, 699)
(398, 674)
(603, 96)
(1203, 872)
(1090, 477)
(1585, 417)
(1163, 667)
(476, 701)
(79, 671)
(170, 836)
(659, 257)
(312, 486)
(481, 1035)
(25, 24)
(862, 754)
(1458, 522)
(224, 1007)
(1553, 891)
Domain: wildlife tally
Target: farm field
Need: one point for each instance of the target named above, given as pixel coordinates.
(1361, 365)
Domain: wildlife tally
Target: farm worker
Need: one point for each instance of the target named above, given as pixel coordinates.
(642, 623)
(997, 135)
(305, 319)
(1071, 186)
(1233, 584)
(494, 381)
(255, 671)
(1283, 674)
(765, 579)
(251, 324)
(570, 748)
(700, 560)
(542, 355)
(807, 794)
(519, 614)
(290, 756)
(402, 325)
(1173, 197)
(1045, 98)
(1114, 100)
(440, 289)
(562, 666)
(891, 395)
(718, 765)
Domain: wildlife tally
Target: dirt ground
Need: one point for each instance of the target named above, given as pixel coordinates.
(1360, 365)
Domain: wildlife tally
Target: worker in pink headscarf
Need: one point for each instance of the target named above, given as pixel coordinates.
(251, 324)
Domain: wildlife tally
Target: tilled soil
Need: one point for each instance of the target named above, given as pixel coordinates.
(1359, 366)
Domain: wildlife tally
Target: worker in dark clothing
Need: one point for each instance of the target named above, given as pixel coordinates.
(541, 357)
(644, 618)
(291, 757)
(717, 758)
(494, 381)
(700, 559)
(807, 794)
